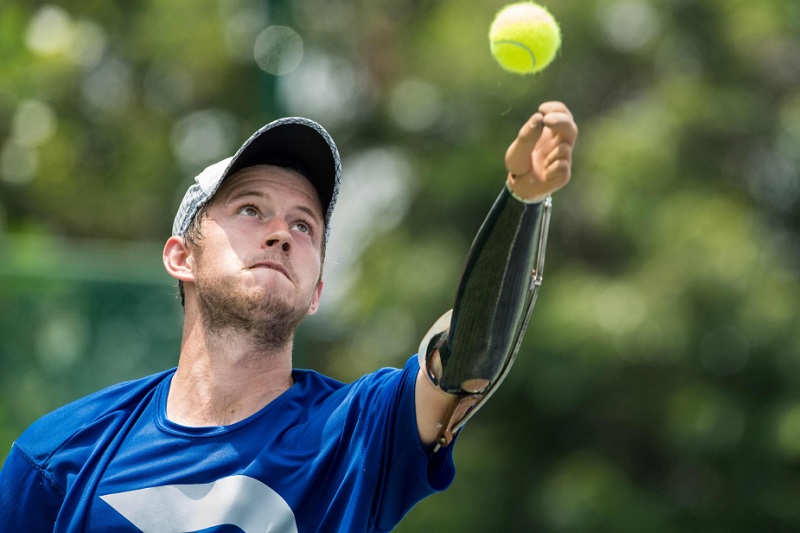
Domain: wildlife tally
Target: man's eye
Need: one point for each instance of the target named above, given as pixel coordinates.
(302, 227)
(249, 211)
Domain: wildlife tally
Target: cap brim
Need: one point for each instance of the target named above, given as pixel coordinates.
(300, 143)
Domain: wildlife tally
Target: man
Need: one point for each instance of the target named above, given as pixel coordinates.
(235, 437)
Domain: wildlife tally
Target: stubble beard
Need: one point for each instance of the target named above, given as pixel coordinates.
(266, 319)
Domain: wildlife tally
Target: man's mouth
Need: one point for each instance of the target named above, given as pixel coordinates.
(272, 265)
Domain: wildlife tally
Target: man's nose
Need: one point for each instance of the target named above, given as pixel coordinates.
(278, 235)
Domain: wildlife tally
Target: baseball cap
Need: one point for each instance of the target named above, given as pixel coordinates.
(295, 141)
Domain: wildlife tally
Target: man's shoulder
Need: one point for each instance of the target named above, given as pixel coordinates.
(317, 387)
(45, 436)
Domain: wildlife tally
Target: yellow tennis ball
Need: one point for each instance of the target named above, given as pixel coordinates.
(524, 38)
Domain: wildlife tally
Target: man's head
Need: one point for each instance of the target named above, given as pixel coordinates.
(263, 213)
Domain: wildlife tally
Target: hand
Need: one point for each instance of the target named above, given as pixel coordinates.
(539, 161)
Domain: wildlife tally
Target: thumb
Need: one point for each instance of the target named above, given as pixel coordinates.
(518, 156)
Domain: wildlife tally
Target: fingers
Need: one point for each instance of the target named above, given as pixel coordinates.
(558, 141)
(558, 118)
(562, 152)
(554, 107)
(558, 173)
(563, 125)
(539, 161)
(518, 155)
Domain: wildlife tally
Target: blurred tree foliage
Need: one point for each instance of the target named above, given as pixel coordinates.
(657, 387)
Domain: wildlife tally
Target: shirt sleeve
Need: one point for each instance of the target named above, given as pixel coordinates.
(406, 471)
(29, 500)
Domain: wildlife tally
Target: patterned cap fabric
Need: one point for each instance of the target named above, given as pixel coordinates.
(297, 141)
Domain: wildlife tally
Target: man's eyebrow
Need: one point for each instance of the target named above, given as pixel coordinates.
(311, 212)
(241, 192)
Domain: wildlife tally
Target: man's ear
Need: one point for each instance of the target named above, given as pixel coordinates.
(312, 309)
(178, 259)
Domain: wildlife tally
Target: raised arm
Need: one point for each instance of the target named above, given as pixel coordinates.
(468, 351)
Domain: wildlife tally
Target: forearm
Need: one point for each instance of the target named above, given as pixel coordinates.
(491, 297)
(468, 352)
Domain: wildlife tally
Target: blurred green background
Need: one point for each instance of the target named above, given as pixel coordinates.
(657, 388)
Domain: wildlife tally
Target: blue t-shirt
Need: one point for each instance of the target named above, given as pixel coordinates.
(323, 456)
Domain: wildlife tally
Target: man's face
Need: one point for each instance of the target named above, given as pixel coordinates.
(258, 262)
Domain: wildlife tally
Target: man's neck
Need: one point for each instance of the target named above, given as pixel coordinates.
(223, 378)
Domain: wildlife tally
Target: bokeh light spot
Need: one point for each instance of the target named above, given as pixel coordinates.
(34, 123)
(415, 105)
(49, 32)
(788, 432)
(278, 50)
(18, 165)
(204, 137)
(108, 87)
(629, 25)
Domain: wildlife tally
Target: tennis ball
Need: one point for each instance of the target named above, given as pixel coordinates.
(524, 38)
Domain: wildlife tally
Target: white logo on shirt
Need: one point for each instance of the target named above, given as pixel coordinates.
(237, 500)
